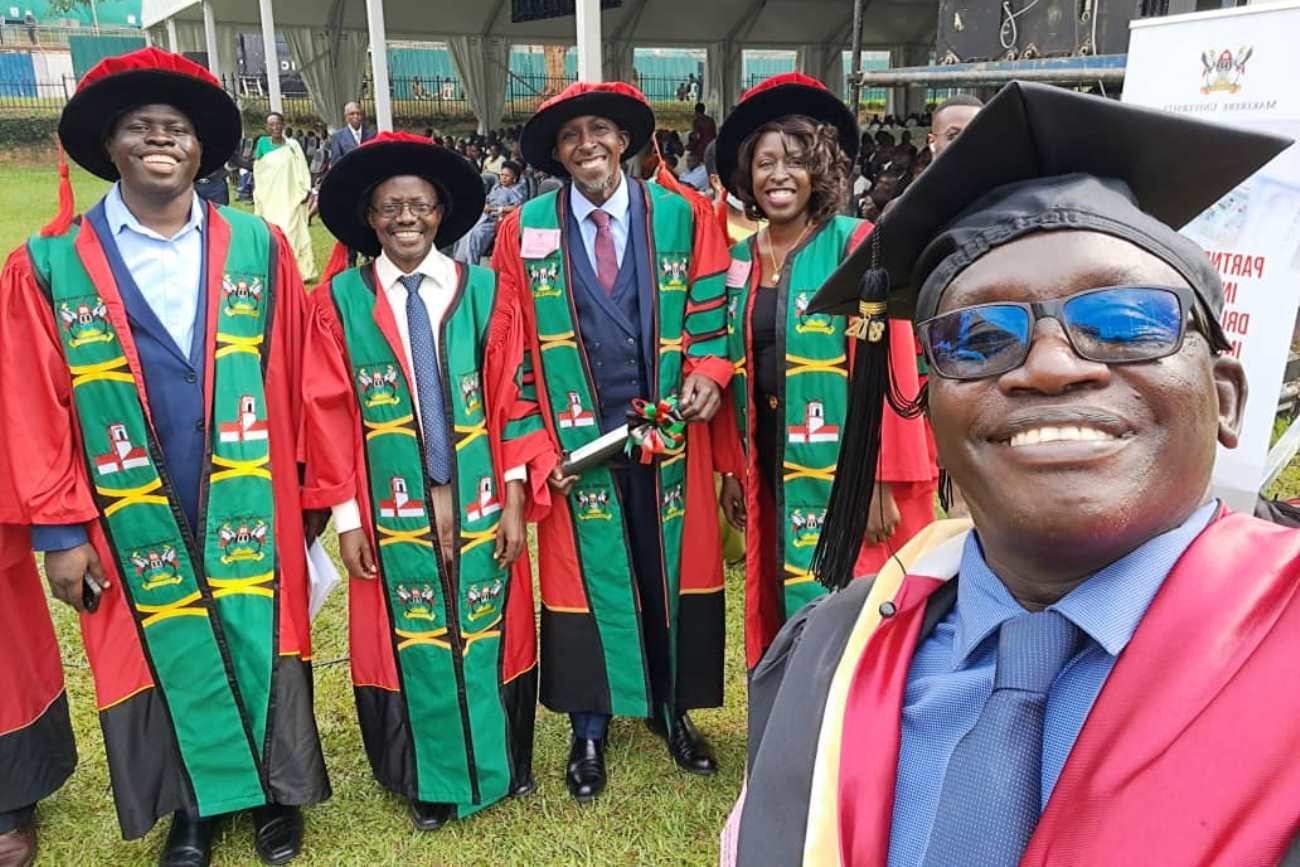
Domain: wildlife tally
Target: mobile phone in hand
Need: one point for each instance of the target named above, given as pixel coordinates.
(90, 593)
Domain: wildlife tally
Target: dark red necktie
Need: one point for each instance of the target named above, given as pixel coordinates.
(606, 258)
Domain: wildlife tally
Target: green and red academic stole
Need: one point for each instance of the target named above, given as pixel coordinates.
(594, 502)
(814, 394)
(205, 606)
(446, 628)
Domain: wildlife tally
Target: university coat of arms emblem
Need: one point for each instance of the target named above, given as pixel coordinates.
(816, 323)
(242, 542)
(471, 392)
(593, 504)
(482, 598)
(673, 273)
(806, 526)
(242, 297)
(378, 385)
(674, 502)
(542, 279)
(87, 322)
(418, 602)
(157, 567)
(1223, 73)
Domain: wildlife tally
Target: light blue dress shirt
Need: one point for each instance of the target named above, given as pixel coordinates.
(951, 676)
(619, 221)
(165, 269)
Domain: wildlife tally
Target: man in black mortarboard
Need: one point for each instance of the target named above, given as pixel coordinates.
(1099, 667)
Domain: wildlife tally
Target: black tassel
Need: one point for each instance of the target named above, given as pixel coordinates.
(870, 385)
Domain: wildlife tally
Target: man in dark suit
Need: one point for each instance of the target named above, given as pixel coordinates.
(353, 133)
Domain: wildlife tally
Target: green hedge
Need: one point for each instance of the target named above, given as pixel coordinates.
(25, 131)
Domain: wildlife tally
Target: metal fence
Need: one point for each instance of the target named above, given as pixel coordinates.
(414, 98)
(19, 35)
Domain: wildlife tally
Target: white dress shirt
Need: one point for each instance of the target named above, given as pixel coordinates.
(437, 290)
(166, 270)
(619, 220)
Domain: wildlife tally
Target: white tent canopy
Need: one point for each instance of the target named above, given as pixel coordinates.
(479, 33)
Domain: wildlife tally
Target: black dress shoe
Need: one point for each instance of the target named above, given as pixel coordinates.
(277, 833)
(427, 816)
(189, 843)
(527, 787)
(586, 773)
(686, 745)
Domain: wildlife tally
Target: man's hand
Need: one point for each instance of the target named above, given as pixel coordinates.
(561, 483)
(511, 535)
(732, 498)
(883, 517)
(313, 524)
(357, 555)
(700, 398)
(67, 570)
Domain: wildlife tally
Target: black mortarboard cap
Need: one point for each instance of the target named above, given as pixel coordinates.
(1036, 158)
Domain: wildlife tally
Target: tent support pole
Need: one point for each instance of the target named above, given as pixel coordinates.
(272, 55)
(589, 52)
(855, 95)
(210, 38)
(379, 62)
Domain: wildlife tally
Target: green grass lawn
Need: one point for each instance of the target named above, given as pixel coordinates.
(651, 813)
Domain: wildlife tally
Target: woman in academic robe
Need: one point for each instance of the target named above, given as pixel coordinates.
(785, 152)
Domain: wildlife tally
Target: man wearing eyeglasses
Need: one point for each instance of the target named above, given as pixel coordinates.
(1098, 671)
(410, 415)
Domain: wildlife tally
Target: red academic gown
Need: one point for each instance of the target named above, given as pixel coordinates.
(1188, 756)
(50, 484)
(37, 752)
(336, 472)
(560, 576)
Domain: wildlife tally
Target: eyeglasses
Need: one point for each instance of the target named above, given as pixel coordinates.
(1111, 325)
(417, 209)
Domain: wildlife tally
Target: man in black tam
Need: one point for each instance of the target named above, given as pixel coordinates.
(1098, 667)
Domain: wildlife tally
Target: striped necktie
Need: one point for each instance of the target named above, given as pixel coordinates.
(428, 383)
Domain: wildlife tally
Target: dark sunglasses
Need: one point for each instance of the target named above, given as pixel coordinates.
(1111, 325)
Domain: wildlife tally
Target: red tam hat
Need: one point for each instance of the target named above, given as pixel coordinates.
(116, 85)
(620, 102)
(344, 194)
(791, 93)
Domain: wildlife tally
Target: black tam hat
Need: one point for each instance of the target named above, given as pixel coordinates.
(1030, 161)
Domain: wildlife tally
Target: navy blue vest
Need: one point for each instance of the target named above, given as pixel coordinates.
(617, 332)
(173, 382)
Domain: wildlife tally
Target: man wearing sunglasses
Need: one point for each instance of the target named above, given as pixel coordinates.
(1101, 669)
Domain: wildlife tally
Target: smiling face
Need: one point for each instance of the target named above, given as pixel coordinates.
(405, 235)
(591, 149)
(1065, 457)
(155, 150)
(781, 181)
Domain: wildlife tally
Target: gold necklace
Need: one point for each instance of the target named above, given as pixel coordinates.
(771, 249)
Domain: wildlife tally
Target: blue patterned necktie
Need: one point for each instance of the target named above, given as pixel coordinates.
(428, 382)
(992, 792)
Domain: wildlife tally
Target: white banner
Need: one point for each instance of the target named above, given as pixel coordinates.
(1238, 67)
